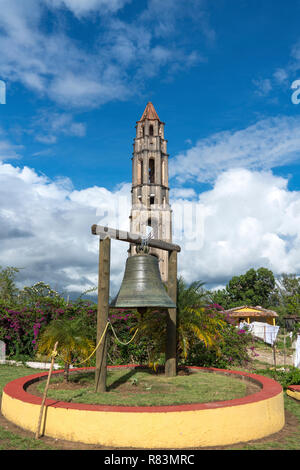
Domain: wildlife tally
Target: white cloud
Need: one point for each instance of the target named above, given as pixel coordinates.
(264, 145)
(86, 7)
(280, 76)
(47, 126)
(283, 76)
(55, 65)
(264, 86)
(248, 219)
(7, 149)
(45, 228)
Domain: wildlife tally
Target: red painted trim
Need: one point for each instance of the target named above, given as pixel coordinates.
(294, 388)
(270, 388)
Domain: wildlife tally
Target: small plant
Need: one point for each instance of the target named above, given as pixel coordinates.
(73, 343)
(134, 381)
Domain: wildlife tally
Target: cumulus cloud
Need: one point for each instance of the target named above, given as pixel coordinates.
(264, 145)
(45, 229)
(248, 219)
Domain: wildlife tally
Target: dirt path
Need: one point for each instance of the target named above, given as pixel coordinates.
(267, 356)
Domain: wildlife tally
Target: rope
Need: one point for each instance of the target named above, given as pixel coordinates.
(103, 334)
(124, 344)
(54, 354)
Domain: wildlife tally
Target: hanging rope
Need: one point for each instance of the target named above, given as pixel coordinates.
(103, 334)
(124, 344)
(99, 342)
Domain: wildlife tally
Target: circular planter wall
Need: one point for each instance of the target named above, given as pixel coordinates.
(166, 427)
(294, 391)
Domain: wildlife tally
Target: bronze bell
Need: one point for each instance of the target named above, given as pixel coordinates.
(142, 286)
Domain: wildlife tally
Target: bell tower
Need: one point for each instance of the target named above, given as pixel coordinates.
(150, 192)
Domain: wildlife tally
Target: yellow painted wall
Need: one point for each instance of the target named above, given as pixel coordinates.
(178, 429)
(248, 309)
(293, 394)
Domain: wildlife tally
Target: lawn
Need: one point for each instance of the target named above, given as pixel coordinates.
(12, 440)
(16, 441)
(131, 387)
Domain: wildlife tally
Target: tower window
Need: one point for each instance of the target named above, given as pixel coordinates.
(140, 170)
(151, 170)
(152, 199)
(152, 224)
(151, 130)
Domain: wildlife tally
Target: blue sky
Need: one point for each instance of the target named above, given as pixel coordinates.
(78, 76)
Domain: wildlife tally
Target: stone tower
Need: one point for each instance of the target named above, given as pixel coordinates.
(150, 192)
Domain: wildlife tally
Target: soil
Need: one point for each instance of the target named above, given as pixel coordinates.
(266, 355)
(291, 424)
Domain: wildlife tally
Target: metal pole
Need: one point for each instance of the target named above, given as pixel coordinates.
(102, 313)
(284, 347)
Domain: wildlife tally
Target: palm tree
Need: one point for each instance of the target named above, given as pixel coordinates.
(73, 343)
(196, 321)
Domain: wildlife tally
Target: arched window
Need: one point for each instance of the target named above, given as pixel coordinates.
(140, 169)
(151, 130)
(152, 226)
(151, 171)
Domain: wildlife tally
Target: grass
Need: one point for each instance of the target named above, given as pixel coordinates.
(8, 439)
(291, 442)
(133, 387)
(14, 441)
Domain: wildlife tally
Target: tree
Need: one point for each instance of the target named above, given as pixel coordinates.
(195, 322)
(73, 343)
(286, 295)
(8, 289)
(252, 288)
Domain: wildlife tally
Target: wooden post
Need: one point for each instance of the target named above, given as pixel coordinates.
(274, 354)
(171, 363)
(102, 313)
(37, 434)
(284, 347)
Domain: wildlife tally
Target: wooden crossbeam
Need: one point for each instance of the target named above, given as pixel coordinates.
(134, 238)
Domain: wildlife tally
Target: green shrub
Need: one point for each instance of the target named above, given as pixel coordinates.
(286, 378)
(231, 350)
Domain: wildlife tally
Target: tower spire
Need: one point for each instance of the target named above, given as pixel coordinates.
(149, 113)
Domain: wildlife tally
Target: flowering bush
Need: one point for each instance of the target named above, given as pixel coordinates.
(20, 326)
(204, 335)
(231, 350)
(124, 323)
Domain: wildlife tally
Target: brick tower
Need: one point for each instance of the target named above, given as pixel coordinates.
(150, 192)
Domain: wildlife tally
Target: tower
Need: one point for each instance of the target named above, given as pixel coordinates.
(150, 192)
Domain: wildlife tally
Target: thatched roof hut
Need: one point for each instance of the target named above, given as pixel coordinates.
(250, 314)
